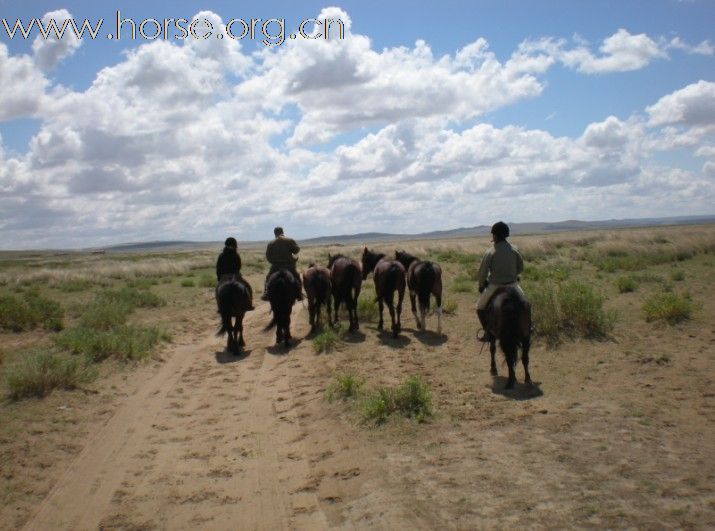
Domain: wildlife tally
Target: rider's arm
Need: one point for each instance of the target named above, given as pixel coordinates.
(484, 271)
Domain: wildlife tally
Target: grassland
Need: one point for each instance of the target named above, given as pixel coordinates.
(615, 432)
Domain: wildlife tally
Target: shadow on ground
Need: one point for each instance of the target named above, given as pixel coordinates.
(521, 391)
(225, 356)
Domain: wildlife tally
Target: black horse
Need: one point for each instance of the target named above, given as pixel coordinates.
(510, 323)
(234, 300)
(424, 278)
(316, 281)
(346, 282)
(282, 288)
(389, 276)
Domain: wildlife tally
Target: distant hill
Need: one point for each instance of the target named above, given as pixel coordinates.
(461, 232)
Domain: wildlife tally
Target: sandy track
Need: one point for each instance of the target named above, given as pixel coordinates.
(206, 441)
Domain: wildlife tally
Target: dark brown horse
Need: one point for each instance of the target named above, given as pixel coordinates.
(346, 282)
(234, 300)
(389, 276)
(316, 281)
(424, 278)
(282, 288)
(510, 323)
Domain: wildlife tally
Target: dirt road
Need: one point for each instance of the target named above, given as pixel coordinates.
(212, 441)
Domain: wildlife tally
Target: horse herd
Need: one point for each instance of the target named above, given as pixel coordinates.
(341, 281)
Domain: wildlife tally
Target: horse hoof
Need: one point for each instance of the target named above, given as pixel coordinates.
(509, 385)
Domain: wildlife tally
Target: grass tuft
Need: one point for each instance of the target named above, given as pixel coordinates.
(122, 342)
(411, 399)
(327, 340)
(346, 387)
(367, 308)
(626, 284)
(28, 312)
(187, 283)
(569, 310)
(39, 372)
(668, 307)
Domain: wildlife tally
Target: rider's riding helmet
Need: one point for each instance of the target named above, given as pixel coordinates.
(231, 242)
(500, 230)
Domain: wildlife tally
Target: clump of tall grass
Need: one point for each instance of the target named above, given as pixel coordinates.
(367, 309)
(569, 310)
(411, 399)
(678, 275)
(449, 307)
(39, 372)
(346, 387)
(626, 284)
(144, 283)
(668, 307)
(327, 340)
(76, 285)
(555, 272)
(207, 280)
(462, 284)
(187, 283)
(19, 314)
(123, 342)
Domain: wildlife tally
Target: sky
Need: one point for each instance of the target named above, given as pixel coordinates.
(423, 116)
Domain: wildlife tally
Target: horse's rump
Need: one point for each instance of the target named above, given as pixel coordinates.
(316, 281)
(282, 288)
(511, 316)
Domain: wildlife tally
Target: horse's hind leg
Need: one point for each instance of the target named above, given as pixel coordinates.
(311, 313)
(493, 351)
(380, 324)
(393, 321)
(526, 344)
(400, 298)
(510, 354)
(420, 324)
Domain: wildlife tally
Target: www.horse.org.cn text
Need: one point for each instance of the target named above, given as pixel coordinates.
(271, 31)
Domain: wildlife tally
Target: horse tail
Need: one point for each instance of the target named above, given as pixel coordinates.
(391, 278)
(425, 281)
(351, 273)
(322, 291)
(223, 299)
(509, 329)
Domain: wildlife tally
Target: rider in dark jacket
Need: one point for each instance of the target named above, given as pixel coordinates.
(228, 266)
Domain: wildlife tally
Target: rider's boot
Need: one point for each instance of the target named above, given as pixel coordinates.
(484, 320)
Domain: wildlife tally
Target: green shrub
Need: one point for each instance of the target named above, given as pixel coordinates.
(677, 275)
(133, 297)
(449, 307)
(143, 283)
(326, 341)
(626, 284)
(345, 387)
(412, 399)
(187, 283)
(122, 342)
(556, 272)
(76, 285)
(569, 310)
(367, 309)
(32, 310)
(668, 307)
(648, 277)
(207, 280)
(462, 284)
(105, 316)
(39, 372)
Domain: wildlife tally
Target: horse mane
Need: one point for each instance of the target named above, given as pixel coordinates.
(404, 257)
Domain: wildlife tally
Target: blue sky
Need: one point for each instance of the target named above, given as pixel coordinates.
(450, 113)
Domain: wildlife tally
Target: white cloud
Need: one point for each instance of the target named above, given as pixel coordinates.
(693, 105)
(185, 140)
(51, 50)
(22, 86)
